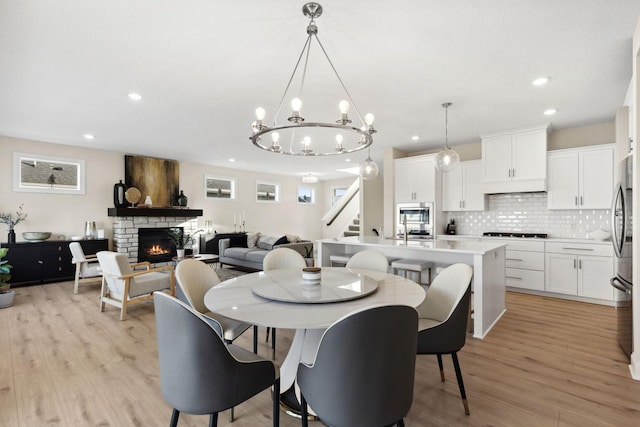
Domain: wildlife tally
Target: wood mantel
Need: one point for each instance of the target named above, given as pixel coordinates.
(170, 212)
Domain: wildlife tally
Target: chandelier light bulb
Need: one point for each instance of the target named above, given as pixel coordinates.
(260, 113)
(339, 139)
(369, 118)
(307, 141)
(343, 106)
(275, 136)
(296, 104)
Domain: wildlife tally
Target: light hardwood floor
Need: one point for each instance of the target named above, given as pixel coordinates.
(546, 363)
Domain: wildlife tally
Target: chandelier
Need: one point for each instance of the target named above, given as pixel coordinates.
(447, 158)
(298, 136)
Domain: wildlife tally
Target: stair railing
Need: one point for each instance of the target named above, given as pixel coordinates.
(337, 209)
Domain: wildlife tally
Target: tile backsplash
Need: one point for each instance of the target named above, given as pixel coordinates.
(528, 213)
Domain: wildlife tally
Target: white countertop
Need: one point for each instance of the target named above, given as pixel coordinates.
(456, 246)
(548, 239)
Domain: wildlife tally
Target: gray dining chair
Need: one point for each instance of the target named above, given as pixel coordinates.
(363, 371)
(369, 259)
(194, 279)
(199, 373)
(277, 259)
(442, 327)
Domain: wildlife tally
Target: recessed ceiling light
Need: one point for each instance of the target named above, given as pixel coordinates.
(88, 136)
(540, 81)
(232, 160)
(550, 111)
(135, 96)
(415, 138)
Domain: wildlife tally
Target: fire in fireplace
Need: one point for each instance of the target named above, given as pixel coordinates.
(155, 246)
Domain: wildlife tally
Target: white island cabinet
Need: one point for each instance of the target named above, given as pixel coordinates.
(486, 258)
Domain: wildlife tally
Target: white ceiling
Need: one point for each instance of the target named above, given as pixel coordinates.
(203, 66)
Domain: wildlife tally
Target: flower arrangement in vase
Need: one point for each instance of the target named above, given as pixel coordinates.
(6, 294)
(11, 221)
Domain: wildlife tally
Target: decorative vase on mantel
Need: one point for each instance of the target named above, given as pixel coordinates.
(182, 199)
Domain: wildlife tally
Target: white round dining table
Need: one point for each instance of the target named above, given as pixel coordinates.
(238, 299)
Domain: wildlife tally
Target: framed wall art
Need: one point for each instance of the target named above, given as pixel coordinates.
(48, 174)
(157, 178)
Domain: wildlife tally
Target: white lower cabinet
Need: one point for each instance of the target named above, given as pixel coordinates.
(580, 269)
(524, 264)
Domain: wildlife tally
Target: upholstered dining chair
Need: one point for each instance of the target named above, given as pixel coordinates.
(363, 371)
(194, 279)
(442, 327)
(276, 259)
(122, 285)
(369, 259)
(87, 266)
(199, 373)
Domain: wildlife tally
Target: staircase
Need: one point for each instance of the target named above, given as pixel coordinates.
(354, 227)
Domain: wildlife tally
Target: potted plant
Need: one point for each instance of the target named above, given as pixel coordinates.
(6, 294)
(308, 255)
(181, 239)
(12, 221)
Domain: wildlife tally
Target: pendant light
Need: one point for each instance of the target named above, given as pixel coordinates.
(447, 158)
(368, 168)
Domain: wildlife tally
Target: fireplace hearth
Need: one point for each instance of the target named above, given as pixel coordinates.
(155, 246)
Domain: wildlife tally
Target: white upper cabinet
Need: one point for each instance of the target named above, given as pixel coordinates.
(462, 187)
(515, 161)
(581, 178)
(415, 179)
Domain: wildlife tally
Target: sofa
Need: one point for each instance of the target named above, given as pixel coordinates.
(248, 251)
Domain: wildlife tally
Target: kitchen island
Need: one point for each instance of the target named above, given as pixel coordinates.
(486, 258)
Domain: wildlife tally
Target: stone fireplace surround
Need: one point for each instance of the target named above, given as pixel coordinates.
(127, 221)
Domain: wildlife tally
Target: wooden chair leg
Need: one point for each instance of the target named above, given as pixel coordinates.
(102, 291)
(77, 279)
(174, 418)
(456, 365)
(440, 366)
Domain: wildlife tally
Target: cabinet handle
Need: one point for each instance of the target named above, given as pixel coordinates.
(574, 263)
(59, 258)
(513, 174)
(59, 268)
(513, 259)
(513, 277)
(576, 202)
(578, 249)
(40, 262)
(581, 202)
(509, 173)
(580, 264)
(464, 204)
(59, 248)
(460, 204)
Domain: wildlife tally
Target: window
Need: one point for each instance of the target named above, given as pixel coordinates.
(219, 187)
(47, 174)
(267, 191)
(306, 195)
(337, 193)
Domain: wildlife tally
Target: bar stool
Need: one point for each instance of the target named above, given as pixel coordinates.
(413, 265)
(339, 259)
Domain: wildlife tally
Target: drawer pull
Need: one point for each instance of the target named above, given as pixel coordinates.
(40, 262)
(514, 259)
(513, 277)
(578, 249)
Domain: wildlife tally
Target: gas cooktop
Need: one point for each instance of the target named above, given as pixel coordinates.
(509, 234)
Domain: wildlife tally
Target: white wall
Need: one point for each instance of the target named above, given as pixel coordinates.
(66, 214)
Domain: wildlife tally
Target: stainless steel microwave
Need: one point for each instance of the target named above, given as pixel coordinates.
(418, 217)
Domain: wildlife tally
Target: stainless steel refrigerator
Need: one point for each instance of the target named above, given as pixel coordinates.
(621, 237)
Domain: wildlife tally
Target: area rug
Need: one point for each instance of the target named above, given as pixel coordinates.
(228, 273)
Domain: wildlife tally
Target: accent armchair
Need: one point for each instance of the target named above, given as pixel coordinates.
(87, 266)
(123, 286)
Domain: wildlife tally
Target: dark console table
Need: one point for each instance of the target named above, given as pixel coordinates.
(48, 261)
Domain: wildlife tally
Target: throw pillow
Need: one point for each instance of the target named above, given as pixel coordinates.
(266, 242)
(238, 241)
(252, 239)
(292, 238)
(281, 241)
